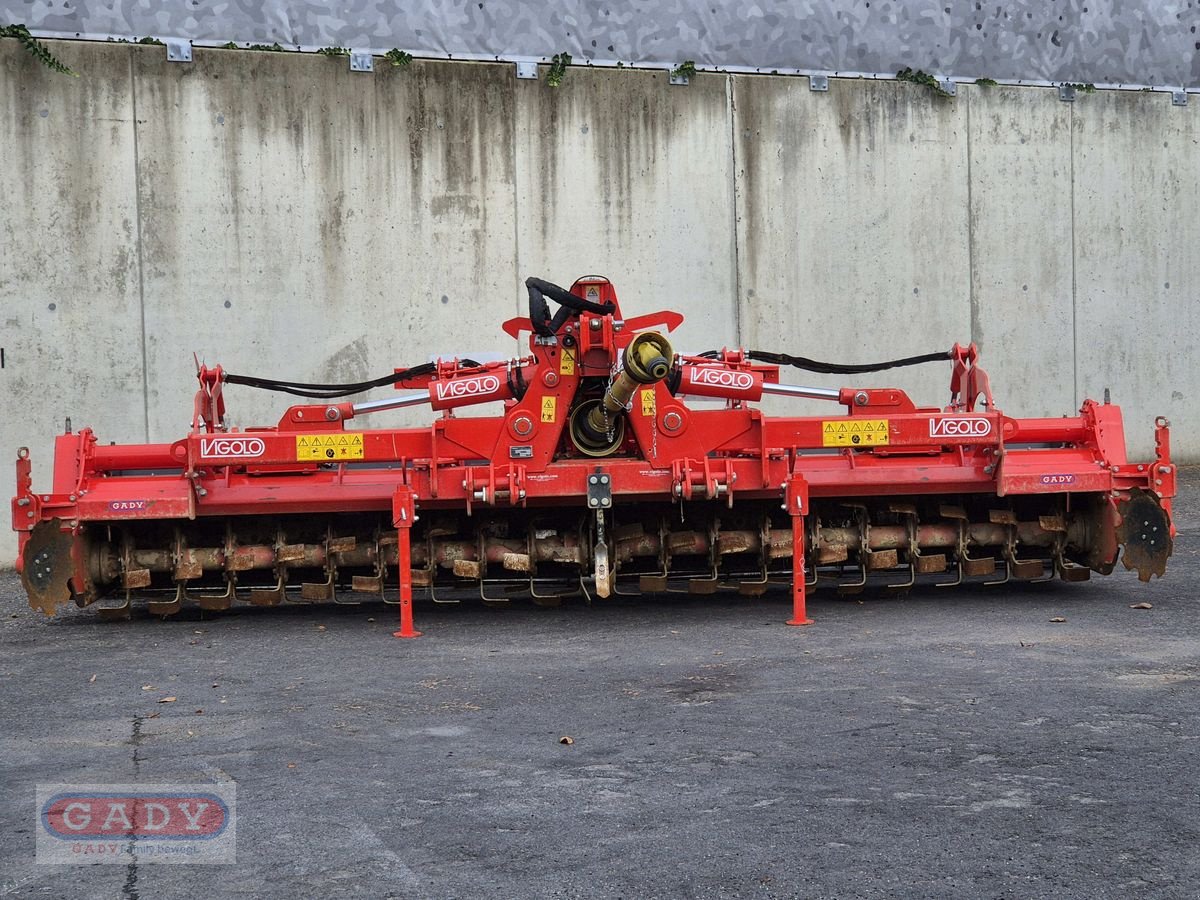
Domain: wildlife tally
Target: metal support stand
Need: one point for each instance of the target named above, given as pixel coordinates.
(796, 503)
(403, 516)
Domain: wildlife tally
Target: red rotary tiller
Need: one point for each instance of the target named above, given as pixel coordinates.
(597, 476)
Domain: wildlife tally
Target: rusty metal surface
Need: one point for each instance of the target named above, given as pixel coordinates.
(848, 547)
(48, 567)
(1146, 533)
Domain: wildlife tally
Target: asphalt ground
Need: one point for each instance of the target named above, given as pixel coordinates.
(945, 744)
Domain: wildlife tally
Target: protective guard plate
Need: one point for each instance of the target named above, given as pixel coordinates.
(1145, 531)
(47, 571)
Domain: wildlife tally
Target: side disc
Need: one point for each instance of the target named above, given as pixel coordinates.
(47, 566)
(1145, 530)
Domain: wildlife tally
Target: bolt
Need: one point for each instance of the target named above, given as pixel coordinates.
(605, 502)
(300, 414)
(595, 501)
(861, 398)
(1141, 468)
(593, 480)
(1164, 469)
(672, 421)
(71, 498)
(29, 514)
(331, 413)
(1158, 481)
(594, 324)
(604, 479)
(24, 501)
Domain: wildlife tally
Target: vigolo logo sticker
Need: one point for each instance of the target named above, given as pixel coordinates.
(962, 426)
(231, 446)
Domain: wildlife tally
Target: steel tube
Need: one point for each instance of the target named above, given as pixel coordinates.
(398, 402)
(799, 390)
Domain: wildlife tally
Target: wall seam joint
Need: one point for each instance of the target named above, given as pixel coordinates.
(1074, 291)
(737, 270)
(137, 207)
(973, 300)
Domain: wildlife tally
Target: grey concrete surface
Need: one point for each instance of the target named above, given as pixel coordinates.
(357, 222)
(938, 745)
(619, 174)
(852, 227)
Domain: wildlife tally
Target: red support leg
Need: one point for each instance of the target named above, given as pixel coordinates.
(796, 503)
(403, 513)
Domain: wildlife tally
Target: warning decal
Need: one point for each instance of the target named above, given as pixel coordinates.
(329, 447)
(854, 432)
(566, 365)
(549, 408)
(647, 401)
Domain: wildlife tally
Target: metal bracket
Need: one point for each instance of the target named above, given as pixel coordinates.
(948, 87)
(599, 491)
(1066, 93)
(1179, 98)
(361, 61)
(527, 70)
(678, 79)
(818, 82)
(178, 50)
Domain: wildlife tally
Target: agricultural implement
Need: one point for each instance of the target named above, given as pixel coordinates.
(600, 476)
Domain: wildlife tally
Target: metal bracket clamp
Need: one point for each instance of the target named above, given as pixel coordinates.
(948, 86)
(527, 69)
(679, 79)
(599, 490)
(1179, 98)
(178, 50)
(361, 61)
(1066, 93)
(818, 82)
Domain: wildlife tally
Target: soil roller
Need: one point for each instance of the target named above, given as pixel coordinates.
(598, 475)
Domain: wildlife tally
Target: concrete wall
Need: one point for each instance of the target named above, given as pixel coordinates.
(285, 217)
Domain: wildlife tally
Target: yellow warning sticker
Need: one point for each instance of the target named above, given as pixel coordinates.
(854, 432)
(566, 365)
(647, 401)
(549, 408)
(329, 447)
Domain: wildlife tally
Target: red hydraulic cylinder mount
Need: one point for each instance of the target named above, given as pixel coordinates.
(718, 380)
(466, 390)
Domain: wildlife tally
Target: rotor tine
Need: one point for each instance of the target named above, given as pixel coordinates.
(959, 549)
(864, 539)
(1010, 549)
(909, 512)
(812, 545)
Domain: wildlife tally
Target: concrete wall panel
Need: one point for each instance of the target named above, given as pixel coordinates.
(283, 216)
(623, 175)
(1022, 314)
(852, 228)
(1137, 193)
(70, 317)
(305, 222)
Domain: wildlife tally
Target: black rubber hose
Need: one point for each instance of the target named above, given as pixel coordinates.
(824, 368)
(336, 391)
(539, 310)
